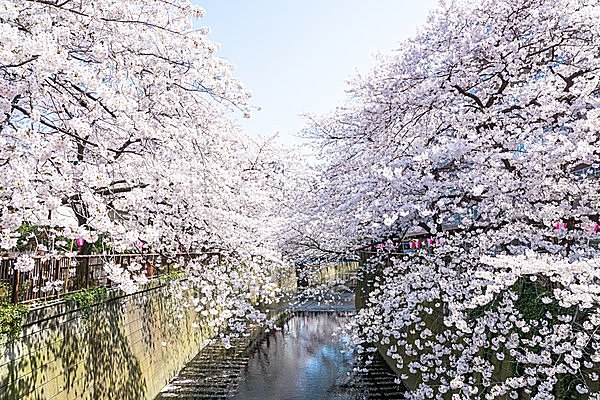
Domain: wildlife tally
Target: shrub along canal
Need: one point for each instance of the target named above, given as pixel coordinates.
(308, 358)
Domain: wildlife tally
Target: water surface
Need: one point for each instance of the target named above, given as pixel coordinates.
(304, 360)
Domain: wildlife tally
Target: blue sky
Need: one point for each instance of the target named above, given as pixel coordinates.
(295, 56)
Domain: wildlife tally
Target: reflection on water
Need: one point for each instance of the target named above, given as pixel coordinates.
(305, 360)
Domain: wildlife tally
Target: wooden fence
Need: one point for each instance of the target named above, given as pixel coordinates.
(54, 277)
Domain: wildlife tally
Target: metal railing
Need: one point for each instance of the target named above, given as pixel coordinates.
(54, 277)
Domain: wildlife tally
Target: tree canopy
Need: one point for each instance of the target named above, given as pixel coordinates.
(119, 111)
(478, 141)
(480, 135)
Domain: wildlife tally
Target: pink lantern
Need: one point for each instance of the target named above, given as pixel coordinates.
(80, 243)
(592, 228)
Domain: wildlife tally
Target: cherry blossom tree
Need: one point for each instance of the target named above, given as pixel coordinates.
(120, 110)
(482, 131)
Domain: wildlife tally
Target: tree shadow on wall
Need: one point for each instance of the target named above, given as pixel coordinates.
(74, 356)
(111, 363)
(173, 332)
(167, 317)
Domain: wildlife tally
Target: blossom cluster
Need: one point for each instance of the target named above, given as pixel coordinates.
(232, 296)
(482, 131)
(117, 115)
(503, 327)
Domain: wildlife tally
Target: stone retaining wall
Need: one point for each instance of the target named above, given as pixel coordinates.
(324, 273)
(127, 348)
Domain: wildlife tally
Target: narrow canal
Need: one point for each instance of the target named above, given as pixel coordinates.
(307, 359)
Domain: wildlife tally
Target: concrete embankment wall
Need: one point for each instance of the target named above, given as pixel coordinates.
(324, 273)
(125, 348)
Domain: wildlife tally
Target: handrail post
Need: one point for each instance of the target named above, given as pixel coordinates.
(149, 266)
(81, 272)
(14, 296)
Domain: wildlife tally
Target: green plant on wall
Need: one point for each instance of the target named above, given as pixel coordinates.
(530, 304)
(5, 292)
(102, 245)
(171, 282)
(85, 299)
(11, 320)
(29, 236)
(172, 276)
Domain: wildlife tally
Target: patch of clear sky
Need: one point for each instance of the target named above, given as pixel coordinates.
(296, 56)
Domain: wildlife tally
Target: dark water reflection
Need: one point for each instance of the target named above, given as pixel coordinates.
(305, 360)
